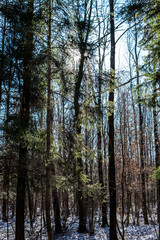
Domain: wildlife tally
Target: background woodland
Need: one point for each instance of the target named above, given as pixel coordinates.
(79, 122)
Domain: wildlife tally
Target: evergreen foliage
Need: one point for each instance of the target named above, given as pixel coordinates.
(79, 137)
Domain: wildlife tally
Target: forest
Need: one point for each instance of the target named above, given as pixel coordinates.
(79, 119)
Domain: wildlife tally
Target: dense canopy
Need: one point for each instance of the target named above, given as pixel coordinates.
(79, 117)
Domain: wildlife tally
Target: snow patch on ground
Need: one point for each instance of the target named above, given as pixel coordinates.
(143, 232)
(132, 232)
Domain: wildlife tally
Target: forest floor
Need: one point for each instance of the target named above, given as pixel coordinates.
(132, 232)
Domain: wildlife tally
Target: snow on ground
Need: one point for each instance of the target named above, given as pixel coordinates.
(133, 232)
(143, 232)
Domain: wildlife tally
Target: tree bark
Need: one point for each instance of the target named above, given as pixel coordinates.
(24, 116)
(81, 200)
(155, 114)
(83, 39)
(58, 228)
(2, 58)
(141, 140)
(100, 159)
(156, 137)
(112, 170)
(7, 159)
(48, 171)
(101, 56)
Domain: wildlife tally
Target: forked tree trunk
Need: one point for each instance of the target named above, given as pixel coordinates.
(83, 39)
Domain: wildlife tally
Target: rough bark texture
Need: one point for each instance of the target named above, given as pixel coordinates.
(144, 207)
(58, 228)
(100, 159)
(141, 140)
(24, 116)
(81, 201)
(112, 180)
(48, 171)
(83, 39)
(6, 171)
(2, 59)
(156, 137)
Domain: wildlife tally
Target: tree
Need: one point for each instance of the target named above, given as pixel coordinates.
(48, 172)
(24, 117)
(2, 54)
(101, 59)
(67, 120)
(112, 180)
(83, 27)
(145, 11)
(141, 138)
(58, 228)
(99, 147)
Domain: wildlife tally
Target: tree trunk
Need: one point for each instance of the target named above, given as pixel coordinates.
(7, 159)
(156, 142)
(58, 228)
(30, 203)
(141, 140)
(24, 116)
(112, 180)
(99, 148)
(99, 127)
(81, 200)
(2, 58)
(156, 137)
(48, 171)
(83, 34)
(124, 152)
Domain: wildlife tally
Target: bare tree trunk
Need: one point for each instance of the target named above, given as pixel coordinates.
(65, 192)
(81, 200)
(123, 177)
(141, 140)
(58, 228)
(99, 122)
(112, 170)
(48, 170)
(99, 147)
(7, 160)
(156, 137)
(30, 203)
(2, 57)
(25, 106)
(136, 202)
(56, 205)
